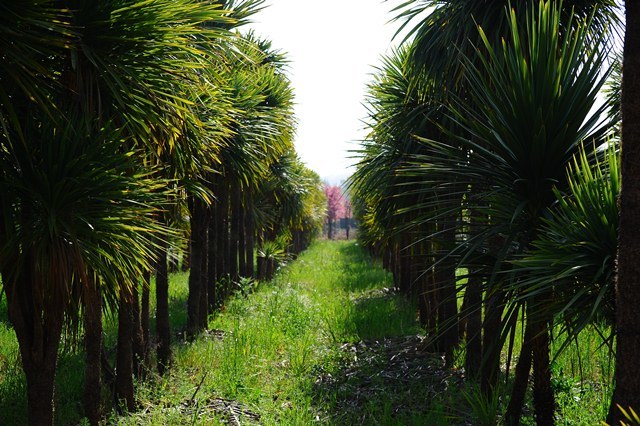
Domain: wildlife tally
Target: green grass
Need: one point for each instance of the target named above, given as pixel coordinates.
(277, 340)
(306, 348)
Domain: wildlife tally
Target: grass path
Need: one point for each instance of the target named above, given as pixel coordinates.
(326, 342)
(288, 353)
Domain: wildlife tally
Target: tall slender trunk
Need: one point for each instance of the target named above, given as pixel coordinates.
(448, 311)
(38, 332)
(195, 273)
(222, 233)
(138, 339)
(236, 206)
(627, 381)
(473, 306)
(424, 309)
(250, 236)
(225, 238)
(521, 379)
(431, 294)
(144, 318)
(162, 310)
(213, 255)
(386, 258)
(543, 398)
(93, 352)
(203, 309)
(423, 287)
(473, 329)
(404, 271)
(348, 220)
(124, 356)
(491, 342)
(260, 261)
(242, 235)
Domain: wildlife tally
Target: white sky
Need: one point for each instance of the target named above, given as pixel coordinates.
(332, 46)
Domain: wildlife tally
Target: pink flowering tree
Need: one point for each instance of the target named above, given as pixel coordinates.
(335, 206)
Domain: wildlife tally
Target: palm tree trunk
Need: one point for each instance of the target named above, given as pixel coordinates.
(93, 352)
(521, 379)
(404, 272)
(162, 310)
(491, 346)
(250, 233)
(124, 356)
(40, 393)
(144, 318)
(448, 319)
(627, 381)
(203, 309)
(473, 314)
(195, 273)
(138, 339)
(236, 206)
(186, 259)
(214, 264)
(424, 309)
(242, 233)
(222, 233)
(473, 329)
(543, 398)
(38, 338)
(386, 258)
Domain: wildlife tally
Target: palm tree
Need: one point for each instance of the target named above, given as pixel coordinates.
(259, 130)
(532, 103)
(400, 110)
(74, 215)
(114, 75)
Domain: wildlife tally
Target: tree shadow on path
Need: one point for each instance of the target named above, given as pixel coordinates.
(385, 376)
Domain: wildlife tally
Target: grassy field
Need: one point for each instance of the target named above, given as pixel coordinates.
(325, 342)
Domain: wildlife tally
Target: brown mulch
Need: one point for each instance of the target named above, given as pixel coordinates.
(397, 371)
(223, 410)
(226, 410)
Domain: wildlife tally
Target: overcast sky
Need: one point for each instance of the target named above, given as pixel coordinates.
(332, 46)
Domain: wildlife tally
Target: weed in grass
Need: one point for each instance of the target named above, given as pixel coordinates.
(483, 410)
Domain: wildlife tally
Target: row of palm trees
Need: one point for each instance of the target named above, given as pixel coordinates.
(131, 131)
(491, 175)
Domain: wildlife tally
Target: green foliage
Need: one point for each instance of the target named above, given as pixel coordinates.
(574, 255)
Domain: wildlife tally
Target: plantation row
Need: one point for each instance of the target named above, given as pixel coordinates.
(489, 186)
(137, 136)
(143, 136)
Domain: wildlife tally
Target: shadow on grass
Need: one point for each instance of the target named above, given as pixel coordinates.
(386, 381)
(384, 377)
(360, 271)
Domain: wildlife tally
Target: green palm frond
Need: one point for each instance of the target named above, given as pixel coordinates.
(72, 208)
(444, 31)
(574, 254)
(534, 100)
(613, 95)
(528, 109)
